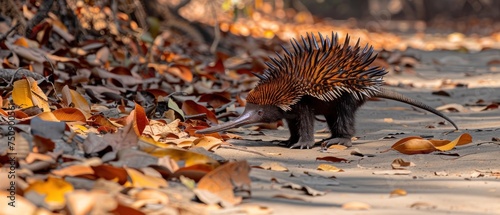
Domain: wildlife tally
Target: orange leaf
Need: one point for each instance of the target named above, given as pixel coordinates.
(140, 180)
(413, 145)
(182, 72)
(141, 120)
(26, 93)
(461, 140)
(74, 170)
(69, 114)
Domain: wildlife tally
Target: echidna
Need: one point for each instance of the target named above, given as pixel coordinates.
(328, 78)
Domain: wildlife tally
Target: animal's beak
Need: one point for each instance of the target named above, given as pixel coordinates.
(248, 117)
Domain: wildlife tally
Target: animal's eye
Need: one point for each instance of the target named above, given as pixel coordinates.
(260, 112)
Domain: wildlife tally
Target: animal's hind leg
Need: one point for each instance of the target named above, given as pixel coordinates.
(342, 129)
(341, 124)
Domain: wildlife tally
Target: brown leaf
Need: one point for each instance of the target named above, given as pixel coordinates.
(208, 142)
(413, 145)
(215, 100)
(74, 99)
(141, 119)
(333, 159)
(181, 71)
(42, 145)
(223, 180)
(195, 172)
(441, 93)
(192, 108)
(400, 164)
(111, 173)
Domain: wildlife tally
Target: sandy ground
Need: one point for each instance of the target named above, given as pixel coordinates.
(465, 186)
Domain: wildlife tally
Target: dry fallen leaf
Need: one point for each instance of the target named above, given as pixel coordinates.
(54, 190)
(222, 182)
(26, 94)
(333, 159)
(398, 192)
(329, 168)
(356, 206)
(400, 164)
(274, 166)
(140, 180)
(418, 145)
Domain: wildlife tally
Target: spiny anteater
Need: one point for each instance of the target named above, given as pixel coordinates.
(327, 79)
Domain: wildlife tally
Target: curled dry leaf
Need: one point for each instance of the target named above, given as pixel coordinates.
(333, 159)
(189, 158)
(195, 172)
(26, 93)
(356, 206)
(329, 168)
(74, 170)
(401, 164)
(418, 145)
(225, 179)
(140, 120)
(275, 166)
(208, 142)
(71, 98)
(413, 145)
(290, 197)
(140, 180)
(337, 147)
(192, 108)
(70, 114)
(308, 190)
(441, 173)
(398, 192)
(111, 173)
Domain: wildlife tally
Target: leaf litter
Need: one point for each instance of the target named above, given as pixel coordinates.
(95, 121)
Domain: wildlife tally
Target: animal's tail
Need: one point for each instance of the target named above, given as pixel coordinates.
(388, 94)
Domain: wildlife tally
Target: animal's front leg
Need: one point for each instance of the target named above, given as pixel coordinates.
(293, 127)
(304, 127)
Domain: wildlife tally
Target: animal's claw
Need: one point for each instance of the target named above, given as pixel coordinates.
(336, 141)
(303, 145)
